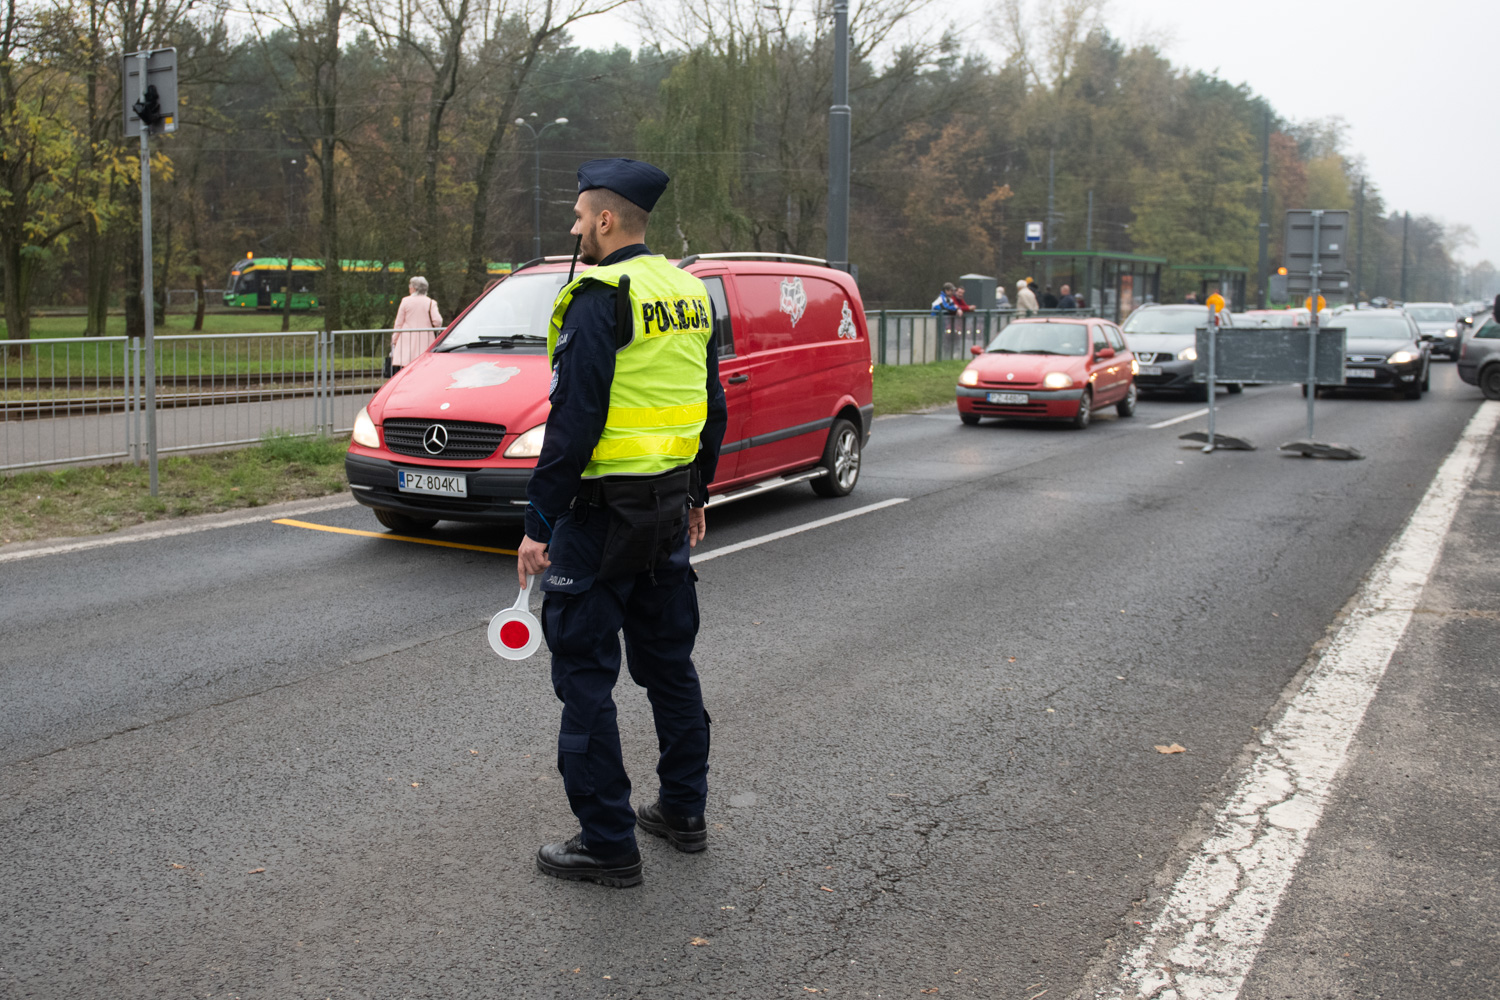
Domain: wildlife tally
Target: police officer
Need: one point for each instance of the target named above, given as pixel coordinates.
(616, 503)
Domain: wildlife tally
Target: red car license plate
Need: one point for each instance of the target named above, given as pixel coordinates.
(1008, 398)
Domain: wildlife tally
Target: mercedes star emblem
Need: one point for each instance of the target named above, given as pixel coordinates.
(436, 439)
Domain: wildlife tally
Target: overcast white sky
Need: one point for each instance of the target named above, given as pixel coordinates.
(1415, 82)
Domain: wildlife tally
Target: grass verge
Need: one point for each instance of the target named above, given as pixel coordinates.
(98, 499)
(903, 388)
(44, 327)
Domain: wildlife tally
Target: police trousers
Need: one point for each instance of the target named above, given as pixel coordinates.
(582, 619)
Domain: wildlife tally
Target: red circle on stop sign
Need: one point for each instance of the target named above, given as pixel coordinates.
(515, 635)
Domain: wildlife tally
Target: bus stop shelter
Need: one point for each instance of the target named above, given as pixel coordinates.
(1226, 279)
(1114, 283)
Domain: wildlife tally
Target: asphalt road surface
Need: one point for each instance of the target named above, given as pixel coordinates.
(267, 760)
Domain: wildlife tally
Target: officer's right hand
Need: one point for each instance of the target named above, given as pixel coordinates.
(531, 559)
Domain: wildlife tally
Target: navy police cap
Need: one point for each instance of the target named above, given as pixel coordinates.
(637, 182)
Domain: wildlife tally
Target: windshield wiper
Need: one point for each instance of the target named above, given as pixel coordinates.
(1001, 350)
(503, 341)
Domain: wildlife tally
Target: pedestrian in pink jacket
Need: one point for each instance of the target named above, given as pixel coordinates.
(416, 322)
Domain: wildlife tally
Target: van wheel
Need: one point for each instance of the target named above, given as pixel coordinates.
(401, 522)
(841, 459)
(1235, 388)
(969, 418)
(1126, 406)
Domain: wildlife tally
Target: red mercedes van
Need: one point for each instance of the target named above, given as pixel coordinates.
(455, 434)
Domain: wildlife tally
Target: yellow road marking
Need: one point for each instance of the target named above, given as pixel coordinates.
(393, 538)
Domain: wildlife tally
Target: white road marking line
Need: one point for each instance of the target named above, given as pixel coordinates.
(1202, 945)
(264, 514)
(750, 543)
(1177, 420)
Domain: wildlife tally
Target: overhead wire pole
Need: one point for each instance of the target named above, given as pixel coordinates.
(1263, 271)
(839, 142)
(1405, 230)
(1359, 242)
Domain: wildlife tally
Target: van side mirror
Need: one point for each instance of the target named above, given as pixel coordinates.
(1107, 352)
(976, 349)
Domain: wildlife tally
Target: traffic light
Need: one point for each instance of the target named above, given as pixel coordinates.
(1276, 290)
(148, 108)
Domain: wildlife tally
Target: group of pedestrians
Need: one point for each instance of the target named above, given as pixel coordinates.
(1030, 299)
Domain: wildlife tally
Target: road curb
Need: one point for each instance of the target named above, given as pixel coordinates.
(149, 530)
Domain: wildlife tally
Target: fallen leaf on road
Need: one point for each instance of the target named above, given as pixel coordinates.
(1047, 990)
(176, 865)
(416, 784)
(1052, 710)
(726, 907)
(579, 969)
(1174, 748)
(933, 990)
(809, 989)
(1010, 659)
(698, 942)
(757, 623)
(474, 751)
(825, 888)
(255, 871)
(609, 977)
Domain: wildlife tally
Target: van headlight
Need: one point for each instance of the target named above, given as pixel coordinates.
(1188, 354)
(528, 445)
(365, 432)
(969, 376)
(1401, 358)
(1057, 380)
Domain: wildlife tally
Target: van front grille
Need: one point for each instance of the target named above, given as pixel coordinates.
(461, 440)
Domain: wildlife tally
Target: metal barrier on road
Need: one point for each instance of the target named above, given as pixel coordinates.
(916, 336)
(68, 401)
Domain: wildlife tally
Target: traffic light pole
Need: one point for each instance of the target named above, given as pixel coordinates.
(148, 283)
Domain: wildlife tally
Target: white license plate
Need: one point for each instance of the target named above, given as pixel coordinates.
(1359, 373)
(1008, 398)
(443, 484)
(1150, 370)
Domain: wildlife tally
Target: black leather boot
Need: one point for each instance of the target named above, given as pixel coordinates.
(686, 833)
(571, 860)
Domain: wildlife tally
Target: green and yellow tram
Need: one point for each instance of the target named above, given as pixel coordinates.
(263, 282)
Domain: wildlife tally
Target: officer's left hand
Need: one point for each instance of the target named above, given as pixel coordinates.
(697, 526)
(531, 559)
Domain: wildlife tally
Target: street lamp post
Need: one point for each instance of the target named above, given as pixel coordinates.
(536, 179)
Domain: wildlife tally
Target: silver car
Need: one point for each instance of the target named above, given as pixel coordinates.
(1479, 357)
(1439, 322)
(1164, 342)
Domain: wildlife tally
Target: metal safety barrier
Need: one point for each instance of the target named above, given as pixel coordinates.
(916, 336)
(70, 401)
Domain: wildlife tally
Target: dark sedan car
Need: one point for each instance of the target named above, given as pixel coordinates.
(1383, 349)
(1164, 341)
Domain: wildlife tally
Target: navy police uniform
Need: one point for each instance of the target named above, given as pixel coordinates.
(582, 614)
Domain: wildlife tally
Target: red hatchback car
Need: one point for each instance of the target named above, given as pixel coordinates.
(1049, 369)
(455, 434)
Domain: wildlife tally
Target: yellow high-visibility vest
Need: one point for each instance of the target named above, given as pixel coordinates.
(658, 400)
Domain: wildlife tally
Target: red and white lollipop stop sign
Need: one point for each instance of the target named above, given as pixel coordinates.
(515, 633)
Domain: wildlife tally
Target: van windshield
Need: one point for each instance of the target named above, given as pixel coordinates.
(511, 318)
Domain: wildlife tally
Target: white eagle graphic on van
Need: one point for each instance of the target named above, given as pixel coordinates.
(793, 298)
